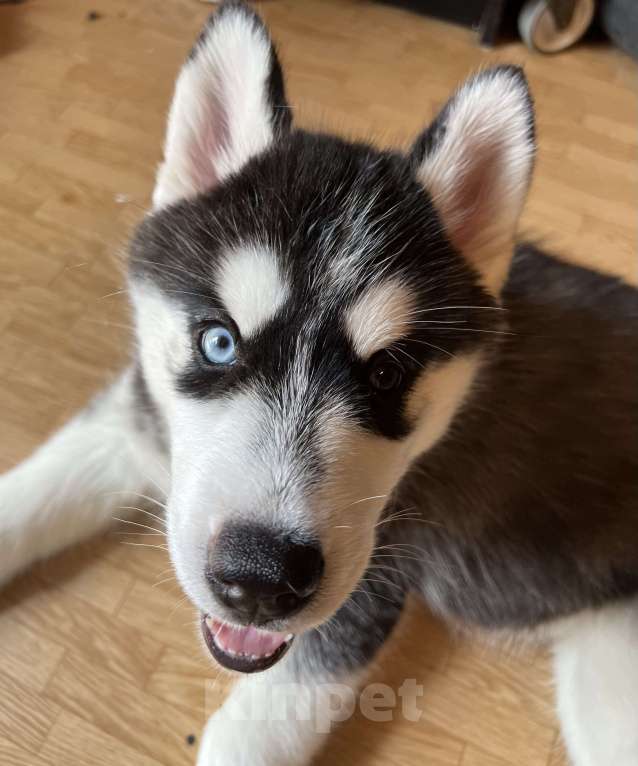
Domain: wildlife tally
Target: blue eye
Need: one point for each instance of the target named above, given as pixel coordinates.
(218, 345)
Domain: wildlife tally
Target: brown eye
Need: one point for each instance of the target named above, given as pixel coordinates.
(386, 376)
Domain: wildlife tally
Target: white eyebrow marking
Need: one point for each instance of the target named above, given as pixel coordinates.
(379, 317)
(252, 287)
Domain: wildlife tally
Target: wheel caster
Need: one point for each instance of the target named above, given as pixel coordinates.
(540, 30)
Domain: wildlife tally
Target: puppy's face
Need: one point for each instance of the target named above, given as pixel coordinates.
(303, 307)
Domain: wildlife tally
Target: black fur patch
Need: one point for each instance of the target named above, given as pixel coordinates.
(532, 497)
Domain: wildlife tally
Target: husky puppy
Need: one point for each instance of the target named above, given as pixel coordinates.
(327, 335)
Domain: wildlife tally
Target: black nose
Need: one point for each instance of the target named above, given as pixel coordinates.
(261, 575)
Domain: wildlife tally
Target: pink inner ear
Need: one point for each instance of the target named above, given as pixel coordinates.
(210, 137)
(474, 198)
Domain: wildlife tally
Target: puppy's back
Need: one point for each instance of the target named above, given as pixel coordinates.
(534, 491)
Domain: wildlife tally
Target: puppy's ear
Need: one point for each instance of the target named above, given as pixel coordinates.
(229, 105)
(476, 161)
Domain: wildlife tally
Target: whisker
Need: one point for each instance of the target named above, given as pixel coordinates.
(432, 321)
(165, 571)
(177, 606)
(139, 510)
(415, 519)
(361, 500)
(408, 578)
(377, 595)
(469, 329)
(107, 323)
(453, 308)
(111, 295)
(383, 567)
(397, 545)
(146, 545)
(383, 582)
(137, 494)
(156, 484)
(409, 356)
(165, 580)
(374, 557)
(137, 524)
(351, 603)
(154, 516)
(434, 346)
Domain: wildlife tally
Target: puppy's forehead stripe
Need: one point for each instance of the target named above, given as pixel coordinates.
(379, 317)
(252, 287)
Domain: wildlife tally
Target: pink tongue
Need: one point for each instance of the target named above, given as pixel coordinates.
(246, 640)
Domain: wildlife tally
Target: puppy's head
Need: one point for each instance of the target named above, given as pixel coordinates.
(311, 314)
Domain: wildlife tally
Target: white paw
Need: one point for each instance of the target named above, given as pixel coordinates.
(16, 544)
(226, 742)
(230, 742)
(8, 566)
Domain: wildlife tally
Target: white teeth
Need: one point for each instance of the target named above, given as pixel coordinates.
(252, 657)
(215, 629)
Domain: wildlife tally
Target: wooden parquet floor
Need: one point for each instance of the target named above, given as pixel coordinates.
(99, 658)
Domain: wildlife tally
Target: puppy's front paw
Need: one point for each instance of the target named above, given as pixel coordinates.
(14, 554)
(228, 741)
(225, 744)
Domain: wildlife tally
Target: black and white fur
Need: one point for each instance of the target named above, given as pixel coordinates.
(513, 434)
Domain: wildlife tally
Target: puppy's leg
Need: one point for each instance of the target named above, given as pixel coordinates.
(72, 486)
(282, 717)
(596, 666)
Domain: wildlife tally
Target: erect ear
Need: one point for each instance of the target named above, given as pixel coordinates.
(476, 161)
(229, 105)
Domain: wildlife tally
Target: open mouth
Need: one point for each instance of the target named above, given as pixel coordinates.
(245, 649)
